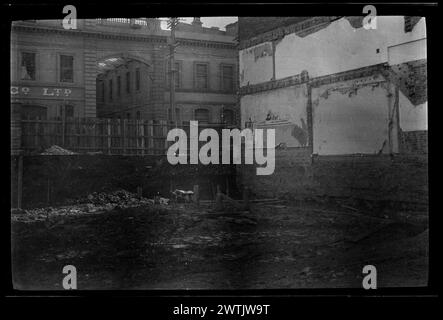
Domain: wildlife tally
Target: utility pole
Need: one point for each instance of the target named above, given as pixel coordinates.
(172, 23)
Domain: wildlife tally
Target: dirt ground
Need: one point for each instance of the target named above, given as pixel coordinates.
(179, 246)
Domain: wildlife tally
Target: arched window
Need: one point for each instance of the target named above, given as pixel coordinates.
(201, 115)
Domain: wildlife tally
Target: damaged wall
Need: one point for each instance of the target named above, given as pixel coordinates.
(352, 117)
(284, 109)
(340, 47)
(412, 117)
(257, 64)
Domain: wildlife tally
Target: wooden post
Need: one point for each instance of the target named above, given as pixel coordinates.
(196, 197)
(142, 133)
(164, 124)
(124, 135)
(19, 181)
(218, 200)
(227, 187)
(109, 132)
(150, 136)
(63, 124)
(246, 198)
(49, 192)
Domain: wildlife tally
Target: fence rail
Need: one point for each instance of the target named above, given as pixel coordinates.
(107, 136)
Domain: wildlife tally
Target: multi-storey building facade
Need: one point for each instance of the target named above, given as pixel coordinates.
(118, 68)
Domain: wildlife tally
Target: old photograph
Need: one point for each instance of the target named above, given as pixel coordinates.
(219, 153)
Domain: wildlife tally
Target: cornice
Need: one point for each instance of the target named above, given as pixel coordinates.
(118, 36)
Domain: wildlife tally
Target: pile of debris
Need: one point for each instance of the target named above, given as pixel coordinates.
(121, 197)
(57, 151)
(94, 203)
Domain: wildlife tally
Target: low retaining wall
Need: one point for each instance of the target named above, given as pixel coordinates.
(372, 177)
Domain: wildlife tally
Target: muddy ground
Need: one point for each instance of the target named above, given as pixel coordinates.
(179, 246)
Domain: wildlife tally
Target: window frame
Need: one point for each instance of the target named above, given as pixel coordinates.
(222, 77)
(110, 89)
(20, 59)
(232, 111)
(128, 82)
(137, 79)
(59, 67)
(196, 63)
(178, 74)
(119, 85)
(202, 108)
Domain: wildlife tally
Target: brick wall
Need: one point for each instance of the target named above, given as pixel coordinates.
(370, 177)
(414, 142)
(249, 27)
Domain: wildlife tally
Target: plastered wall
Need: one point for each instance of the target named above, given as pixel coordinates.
(352, 117)
(286, 111)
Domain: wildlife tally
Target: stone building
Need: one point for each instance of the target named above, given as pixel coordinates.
(332, 88)
(117, 68)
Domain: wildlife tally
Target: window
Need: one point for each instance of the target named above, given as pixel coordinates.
(69, 111)
(201, 76)
(137, 79)
(101, 89)
(227, 75)
(28, 66)
(202, 115)
(33, 112)
(128, 82)
(110, 89)
(128, 115)
(228, 116)
(119, 84)
(66, 68)
(177, 74)
(138, 115)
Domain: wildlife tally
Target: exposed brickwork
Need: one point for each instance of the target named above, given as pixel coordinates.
(414, 142)
(275, 84)
(275, 30)
(410, 22)
(411, 78)
(252, 26)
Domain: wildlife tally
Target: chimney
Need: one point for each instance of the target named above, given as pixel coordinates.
(197, 22)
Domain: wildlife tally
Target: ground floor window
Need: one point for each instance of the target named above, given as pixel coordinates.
(201, 115)
(33, 112)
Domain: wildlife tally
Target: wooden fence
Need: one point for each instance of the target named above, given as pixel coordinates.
(107, 136)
